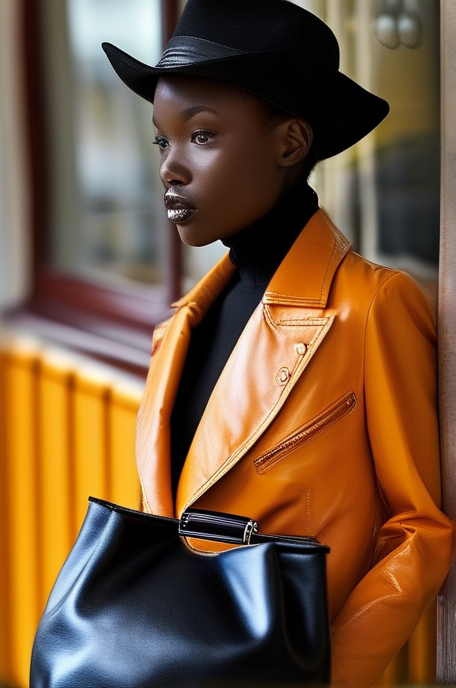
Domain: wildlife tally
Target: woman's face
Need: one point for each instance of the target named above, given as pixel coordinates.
(220, 161)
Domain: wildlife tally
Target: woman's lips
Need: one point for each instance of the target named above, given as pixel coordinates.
(180, 215)
(179, 210)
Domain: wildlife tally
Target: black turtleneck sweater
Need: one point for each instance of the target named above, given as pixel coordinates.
(257, 252)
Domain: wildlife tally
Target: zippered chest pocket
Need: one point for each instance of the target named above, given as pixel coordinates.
(306, 433)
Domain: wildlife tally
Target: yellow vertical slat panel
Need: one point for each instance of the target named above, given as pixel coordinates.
(423, 649)
(415, 663)
(4, 580)
(91, 439)
(55, 399)
(66, 431)
(22, 511)
(396, 674)
(124, 483)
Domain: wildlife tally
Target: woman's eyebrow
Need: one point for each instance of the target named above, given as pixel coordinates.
(190, 112)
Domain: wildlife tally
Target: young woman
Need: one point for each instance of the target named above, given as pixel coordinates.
(296, 382)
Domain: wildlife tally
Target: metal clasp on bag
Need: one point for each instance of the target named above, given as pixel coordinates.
(212, 525)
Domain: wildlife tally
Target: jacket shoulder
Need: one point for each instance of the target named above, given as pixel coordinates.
(377, 280)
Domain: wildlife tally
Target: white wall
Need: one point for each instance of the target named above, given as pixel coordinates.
(14, 210)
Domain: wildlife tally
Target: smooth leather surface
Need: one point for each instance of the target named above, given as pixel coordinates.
(275, 443)
(134, 607)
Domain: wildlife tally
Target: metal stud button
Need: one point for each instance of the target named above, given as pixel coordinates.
(283, 375)
(300, 349)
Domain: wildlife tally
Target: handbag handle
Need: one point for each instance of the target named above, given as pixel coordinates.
(220, 527)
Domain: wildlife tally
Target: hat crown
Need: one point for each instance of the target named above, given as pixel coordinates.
(261, 26)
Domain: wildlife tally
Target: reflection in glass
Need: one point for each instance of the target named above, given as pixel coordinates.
(408, 155)
(113, 232)
(384, 192)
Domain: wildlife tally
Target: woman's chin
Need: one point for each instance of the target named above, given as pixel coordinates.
(189, 237)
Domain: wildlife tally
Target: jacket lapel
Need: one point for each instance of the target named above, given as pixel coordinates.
(274, 349)
(261, 372)
(153, 423)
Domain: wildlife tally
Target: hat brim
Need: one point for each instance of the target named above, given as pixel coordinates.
(341, 111)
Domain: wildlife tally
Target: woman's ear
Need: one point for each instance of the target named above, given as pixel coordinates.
(295, 141)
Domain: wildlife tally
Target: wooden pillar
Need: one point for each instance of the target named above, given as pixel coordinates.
(446, 604)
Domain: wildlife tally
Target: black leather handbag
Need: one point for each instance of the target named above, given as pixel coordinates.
(134, 606)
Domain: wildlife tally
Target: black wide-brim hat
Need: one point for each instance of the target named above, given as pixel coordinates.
(272, 49)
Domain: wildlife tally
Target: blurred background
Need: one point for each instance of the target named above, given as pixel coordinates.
(89, 263)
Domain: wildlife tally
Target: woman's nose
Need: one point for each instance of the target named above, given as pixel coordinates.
(173, 172)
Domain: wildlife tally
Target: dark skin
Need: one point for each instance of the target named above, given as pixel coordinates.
(224, 161)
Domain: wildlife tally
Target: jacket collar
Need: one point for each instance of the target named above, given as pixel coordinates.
(305, 275)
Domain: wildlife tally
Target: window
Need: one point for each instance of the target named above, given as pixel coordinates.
(385, 191)
(106, 264)
(106, 209)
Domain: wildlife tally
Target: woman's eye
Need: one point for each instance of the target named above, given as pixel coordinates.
(161, 142)
(202, 137)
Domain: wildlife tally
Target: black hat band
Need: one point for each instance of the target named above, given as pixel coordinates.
(185, 50)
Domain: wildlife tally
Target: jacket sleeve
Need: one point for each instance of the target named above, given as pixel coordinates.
(413, 547)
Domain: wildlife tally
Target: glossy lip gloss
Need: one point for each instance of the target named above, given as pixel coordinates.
(179, 210)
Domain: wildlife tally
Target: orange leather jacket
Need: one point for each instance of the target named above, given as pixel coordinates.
(323, 422)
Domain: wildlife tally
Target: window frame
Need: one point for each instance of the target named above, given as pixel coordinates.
(64, 308)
